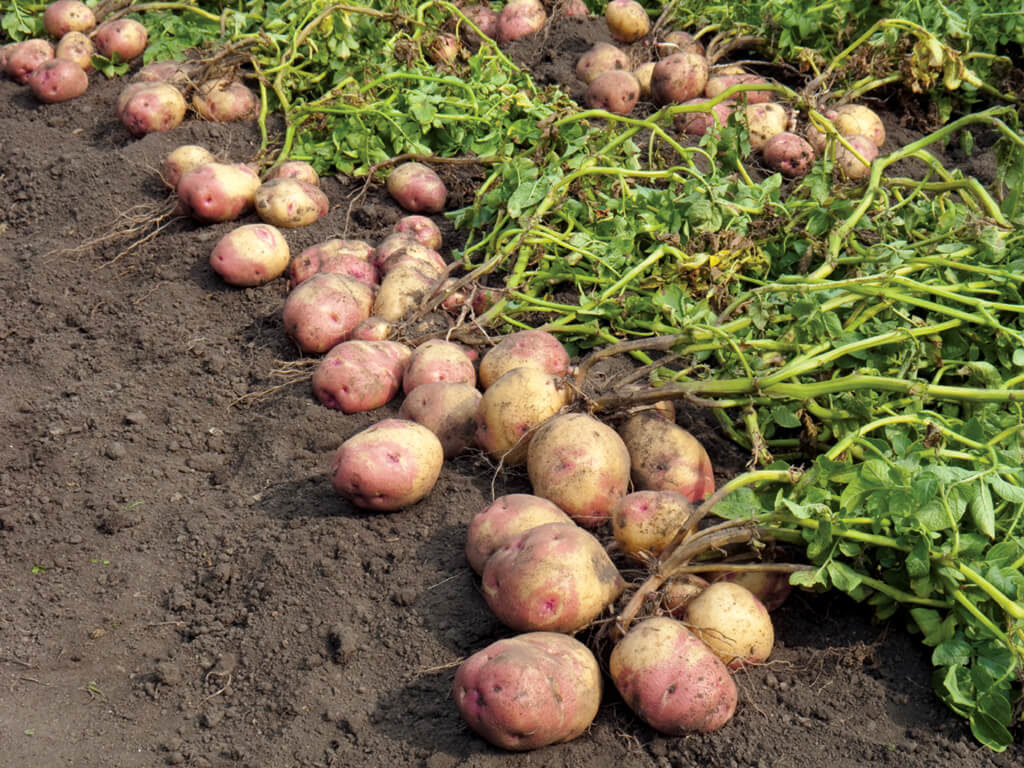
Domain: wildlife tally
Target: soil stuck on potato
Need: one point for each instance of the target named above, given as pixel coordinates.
(181, 586)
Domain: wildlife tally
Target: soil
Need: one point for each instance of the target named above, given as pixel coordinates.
(181, 586)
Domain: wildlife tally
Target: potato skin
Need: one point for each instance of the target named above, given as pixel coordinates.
(665, 457)
(345, 257)
(678, 78)
(23, 58)
(601, 58)
(519, 19)
(627, 20)
(441, 361)
(290, 203)
(512, 407)
(417, 188)
(125, 37)
(645, 522)
(402, 290)
(322, 311)
(581, 465)
(789, 154)
(733, 623)
(63, 16)
(701, 123)
(294, 169)
(769, 587)
(58, 80)
(177, 73)
(183, 159)
(250, 255)
(359, 376)
(448, 409)
(76, 47)
(852, 167)
(505, 518)
(616, 91)
(152, 108)
(532, 348)
(763, 122)
(556, 577)
(671, 679)
(387, 466)
(858, 120)
(224, 101)
(215, 192)
(719, 82)
(421, 228)
(529, 691)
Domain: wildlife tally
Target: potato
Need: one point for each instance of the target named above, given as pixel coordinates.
(438, 360)
(665, 457)
(534, 348)
(789, 154)
(617, 92)
(224, 100)
(402, 290)
(151, 107)
(701, 123)
(574, 9)
(448, 409)
(858, 120)
(250, 255)
(443, 49)
(718, 83)
(218, 191)
(679, 41)
(765, 121)
(76, 47)
(412, 254)
(678, 591)
(556, 577)
(816, 138)
(505, 518)
(183, 159)
(486, 20)
(294, 169)
(290, 203)
(372, 329)
(627, 20)
(323, 310)
(125, 37)
(645, 522)
(513, 406)
(359, 376)
(177, 73)
(63, 16)
(25, 57)
(345, 257)
(678, 78)
(422, 229)
(390, 244)
(851, 167)
(519, 19)
(417, 188)
(733, 623)
(387, 466)
(671, 679)
(601, 58)
(643, 75)
(769, 587)
(581, 465)
(529, 691)
(58, 80)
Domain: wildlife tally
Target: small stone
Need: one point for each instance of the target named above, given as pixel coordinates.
(135, 417)
(175, 758)
(116, 451)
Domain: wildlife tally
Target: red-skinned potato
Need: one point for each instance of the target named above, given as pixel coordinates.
(513, 406)
(357, 376)
(505, 518)
(448, 409)
(531, 348)
(5, 53)
(420, 228)
(574, 9)
(529, 691)
(412, 254)
(346, 257)
(224, 100)
(701, 123)
(218, 191)
(125, 37)
(627, 20)
(250, 255)
(183, 159)
(817, 139)
(679, 41)
(23, 58)
(372, 329)
(665, 457)
(290, 203)
(733, 623)
(718, 83)
(486, 20)
(519, 19)
(581, 465)
(678, 78)
(789, 154)
(770, 587)
(388, 466)
(438, 360)
(58, 80)
(678, 591)
(764, 121)
(858, 120)
(76, 47)
(645, 522)
(294, 169)
(851, 167)
(671, 679)
(601, 58)
(63, 16)
(443, 49)
(404, 289)
(151, 108)
(177, 73)
(556, 577)
(617, 92)
(417, 188)
(323, 310)
(390, 244)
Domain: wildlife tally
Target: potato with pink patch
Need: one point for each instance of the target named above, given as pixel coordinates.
(344, 257)
(665, 457)
(290, 203)
(323, 311)
(420, 228)
(441, 361)
(581, 465)
(505, 518)
(645, 522)
(417, 188)
(215, 192)
(671, 679)
(448, 409)
(555, 577)
(76, 47)
(58, 80)
(733, 623)
(125, 37)
(22, 59)
(513, 407)
(388, 466)
(63, 16)
(224, 101)
(358, 376)
(294, 169)
(529, 691)
(532, 348)
(183, 159)
(250, 255)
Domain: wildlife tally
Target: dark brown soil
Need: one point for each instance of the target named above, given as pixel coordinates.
(178, 583)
